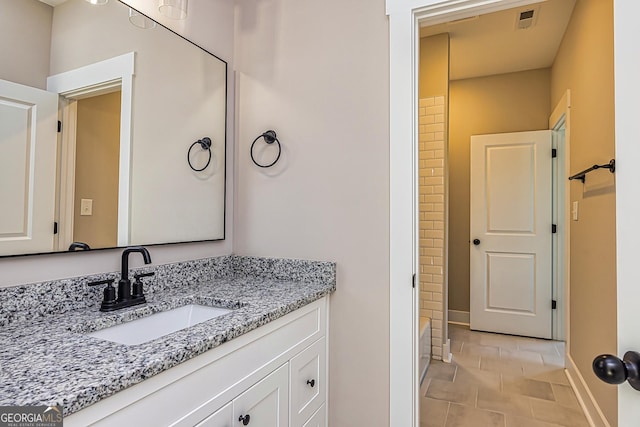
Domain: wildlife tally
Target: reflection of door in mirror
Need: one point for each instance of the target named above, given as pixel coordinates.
(95, 219)
(27, 139)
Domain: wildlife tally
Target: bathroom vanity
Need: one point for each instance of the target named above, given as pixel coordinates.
(264, 362)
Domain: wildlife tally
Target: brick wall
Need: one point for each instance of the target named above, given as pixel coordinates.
(432, 215)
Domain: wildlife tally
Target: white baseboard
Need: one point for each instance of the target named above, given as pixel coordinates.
(459, 317)
(446, 351)
(589, 406)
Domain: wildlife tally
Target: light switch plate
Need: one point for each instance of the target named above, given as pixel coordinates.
(86, 206)
(574, 211)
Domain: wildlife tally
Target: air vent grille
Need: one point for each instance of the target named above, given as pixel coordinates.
(526, 19)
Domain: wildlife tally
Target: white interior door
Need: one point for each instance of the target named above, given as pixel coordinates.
(627, 87)
(510, 255)
(28, 126)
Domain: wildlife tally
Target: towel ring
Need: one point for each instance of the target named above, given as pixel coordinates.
(205, 143)
(269, 137)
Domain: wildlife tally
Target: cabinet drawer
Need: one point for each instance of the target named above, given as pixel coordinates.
(308, 382)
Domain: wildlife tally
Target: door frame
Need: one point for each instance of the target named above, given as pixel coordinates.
(405, 17)
(92, 80)
(561, 119)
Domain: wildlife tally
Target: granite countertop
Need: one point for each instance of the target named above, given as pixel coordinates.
(49, 359)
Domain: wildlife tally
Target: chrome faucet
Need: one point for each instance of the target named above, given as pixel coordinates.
(125, 297)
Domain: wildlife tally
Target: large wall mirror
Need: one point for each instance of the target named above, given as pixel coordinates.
(139, 157)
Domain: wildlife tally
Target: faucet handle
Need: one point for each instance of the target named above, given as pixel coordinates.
(138, 290)
(109, 291)
(101, 282)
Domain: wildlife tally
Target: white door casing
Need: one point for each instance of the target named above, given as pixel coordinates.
(511, 267)
(91, 80)
(28, 145)
(403, 34)
(405, 17)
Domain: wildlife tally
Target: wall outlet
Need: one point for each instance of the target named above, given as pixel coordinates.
(86, 206)
(574, 211)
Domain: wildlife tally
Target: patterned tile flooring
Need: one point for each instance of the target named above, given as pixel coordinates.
(499, 380)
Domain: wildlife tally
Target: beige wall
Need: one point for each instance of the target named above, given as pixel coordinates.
(584, 64)
(434, 66)
(97, 160)
(318, 73)
(511, 102)
(211, 26)
(27, 61)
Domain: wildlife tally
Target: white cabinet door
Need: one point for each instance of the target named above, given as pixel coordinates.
(308, 373)
(266, 404)
(511, 233)
(223, 417)
(319, 419)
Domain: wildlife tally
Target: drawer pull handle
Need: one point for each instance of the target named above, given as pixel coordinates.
(312, 383)
(244, 419)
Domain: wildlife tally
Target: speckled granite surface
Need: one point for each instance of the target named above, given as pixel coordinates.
(45, 358)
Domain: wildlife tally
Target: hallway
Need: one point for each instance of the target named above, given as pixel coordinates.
(499, 380)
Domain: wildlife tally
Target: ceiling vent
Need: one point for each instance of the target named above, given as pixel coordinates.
(526, 19)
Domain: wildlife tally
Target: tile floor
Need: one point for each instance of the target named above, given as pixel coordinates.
(499, 380)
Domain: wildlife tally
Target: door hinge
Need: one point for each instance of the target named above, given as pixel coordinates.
(554, 228)
(55, 227)
(554, 304)
(59, 126)
(554, 153)
(413, 281)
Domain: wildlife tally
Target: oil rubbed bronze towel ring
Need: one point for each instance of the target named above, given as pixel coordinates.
(205, 143)
(269, 137)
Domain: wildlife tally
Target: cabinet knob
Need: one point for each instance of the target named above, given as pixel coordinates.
(244, 419)
(312, 383)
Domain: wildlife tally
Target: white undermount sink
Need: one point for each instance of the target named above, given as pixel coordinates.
(159, 324)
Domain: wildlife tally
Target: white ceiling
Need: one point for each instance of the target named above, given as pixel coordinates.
(490, 44)
(53, 3)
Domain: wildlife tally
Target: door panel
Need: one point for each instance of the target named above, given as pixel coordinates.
(511, 282)
(511, 267)
(28, 126)
(509, 181)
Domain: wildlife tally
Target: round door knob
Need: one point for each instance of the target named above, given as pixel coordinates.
(612, 370)
(244, 419)
(476, 242)
(312, 383)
